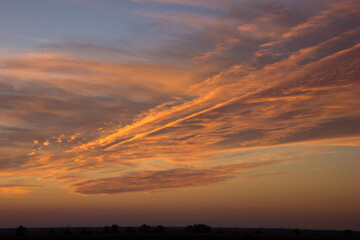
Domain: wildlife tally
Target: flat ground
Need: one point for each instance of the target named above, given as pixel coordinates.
(177, 233)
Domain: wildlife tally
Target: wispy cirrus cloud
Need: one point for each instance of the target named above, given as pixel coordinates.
(250, 87)
(16, 189)
(33, 39)
(201, 3)
(164, 180)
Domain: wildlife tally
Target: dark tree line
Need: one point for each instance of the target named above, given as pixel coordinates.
(198, 228)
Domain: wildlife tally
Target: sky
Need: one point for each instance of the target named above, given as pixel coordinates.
(223, 112)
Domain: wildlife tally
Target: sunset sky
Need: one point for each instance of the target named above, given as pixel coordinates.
(224, 112)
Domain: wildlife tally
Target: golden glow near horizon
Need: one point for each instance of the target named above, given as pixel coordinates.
(224, 112)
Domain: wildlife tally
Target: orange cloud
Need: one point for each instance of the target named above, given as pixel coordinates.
(12, 190)
(164, 180)
(93, 118)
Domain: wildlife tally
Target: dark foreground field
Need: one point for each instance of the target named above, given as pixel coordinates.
(174, 234)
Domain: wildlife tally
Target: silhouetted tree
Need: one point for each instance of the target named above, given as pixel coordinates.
(106, 229)
(189, 229)
(198, 228)
(114, 228)
(202, 228)
(144, 228)
(159, 229)
(20, 230)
